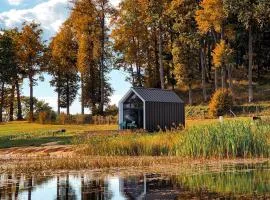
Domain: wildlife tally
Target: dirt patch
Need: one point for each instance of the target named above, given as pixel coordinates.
(48, 150)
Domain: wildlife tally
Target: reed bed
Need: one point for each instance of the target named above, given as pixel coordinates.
(232, 139)
(142, 144)
(227, 140)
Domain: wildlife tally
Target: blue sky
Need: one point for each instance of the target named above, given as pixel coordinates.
(51, 14)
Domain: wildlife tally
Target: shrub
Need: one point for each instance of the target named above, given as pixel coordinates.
(42, 116)
(83, 119)
(62, 118)
(220, 103)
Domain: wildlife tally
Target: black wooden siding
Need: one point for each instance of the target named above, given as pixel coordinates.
(164, 115)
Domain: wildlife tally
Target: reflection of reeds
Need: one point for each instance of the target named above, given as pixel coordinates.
(225, 140)
(233, 182)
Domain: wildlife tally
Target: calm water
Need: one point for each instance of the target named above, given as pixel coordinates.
(229, 182)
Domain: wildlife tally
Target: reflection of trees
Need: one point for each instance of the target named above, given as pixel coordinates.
(30, 186)
(92, 189)
(149, 187)
(229, 184)
(65, 191)
(9, 186)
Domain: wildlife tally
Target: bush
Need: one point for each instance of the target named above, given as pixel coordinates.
(62, 118)
(221, 103)
(46, 117)
(83, 119)
(42, 116)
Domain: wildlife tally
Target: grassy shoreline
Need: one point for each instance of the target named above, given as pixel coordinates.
(231, 139)
(206, 142)
(78, 163)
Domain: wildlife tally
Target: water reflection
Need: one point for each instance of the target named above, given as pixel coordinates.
(239, 181)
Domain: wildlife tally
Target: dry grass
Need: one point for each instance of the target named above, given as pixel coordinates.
(174, 165)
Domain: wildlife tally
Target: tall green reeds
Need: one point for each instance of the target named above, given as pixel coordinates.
(226, 140)
(234, 139)
(132, 145)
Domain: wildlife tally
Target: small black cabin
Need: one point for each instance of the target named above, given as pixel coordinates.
(151, 109)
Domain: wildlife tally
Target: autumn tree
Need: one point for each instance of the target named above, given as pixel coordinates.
(83, 17)
(88, 21)
(104, 10)
(63, 59)
(186, 49)
(223, 55)
(130, 42)
(211, 20)
(30, 55)
(245, 11)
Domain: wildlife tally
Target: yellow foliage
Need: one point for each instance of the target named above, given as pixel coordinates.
(220, 103)
(211, 16)
(222, 54)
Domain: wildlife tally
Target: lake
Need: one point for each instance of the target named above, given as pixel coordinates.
(234, 181)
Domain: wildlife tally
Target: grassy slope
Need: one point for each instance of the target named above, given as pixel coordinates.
(23, 134)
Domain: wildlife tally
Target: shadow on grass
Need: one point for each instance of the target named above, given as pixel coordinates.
(9, 141)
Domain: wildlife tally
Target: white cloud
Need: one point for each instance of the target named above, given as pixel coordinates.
(15, 2)
(50, 15)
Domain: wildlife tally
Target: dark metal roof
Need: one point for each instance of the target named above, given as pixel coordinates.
(157, 95)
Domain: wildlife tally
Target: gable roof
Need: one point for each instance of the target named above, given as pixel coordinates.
(157, 95)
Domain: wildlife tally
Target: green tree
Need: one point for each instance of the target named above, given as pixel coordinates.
(8, 70)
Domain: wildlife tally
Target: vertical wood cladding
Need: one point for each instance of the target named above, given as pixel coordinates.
(164, 115)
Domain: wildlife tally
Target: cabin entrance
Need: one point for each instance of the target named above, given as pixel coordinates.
(133, 112)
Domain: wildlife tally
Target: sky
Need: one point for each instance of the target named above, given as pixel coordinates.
(51, 14)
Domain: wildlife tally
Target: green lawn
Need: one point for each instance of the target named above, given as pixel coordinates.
(23, 134)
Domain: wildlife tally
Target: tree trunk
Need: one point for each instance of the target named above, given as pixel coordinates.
(58, 102)
(82, 94)
(230, 80)
(223, 77)
(216, 79)
(190, 94)
(156, 70)
(209, 61)
(133, 76)
(11, 105)
(160, 49)
(2, 101)
(101, 105)
(31, 85)
(30, 187)
(203, 76)
(250, 65)
(68, 102)
(58, 188)
(19, 104)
